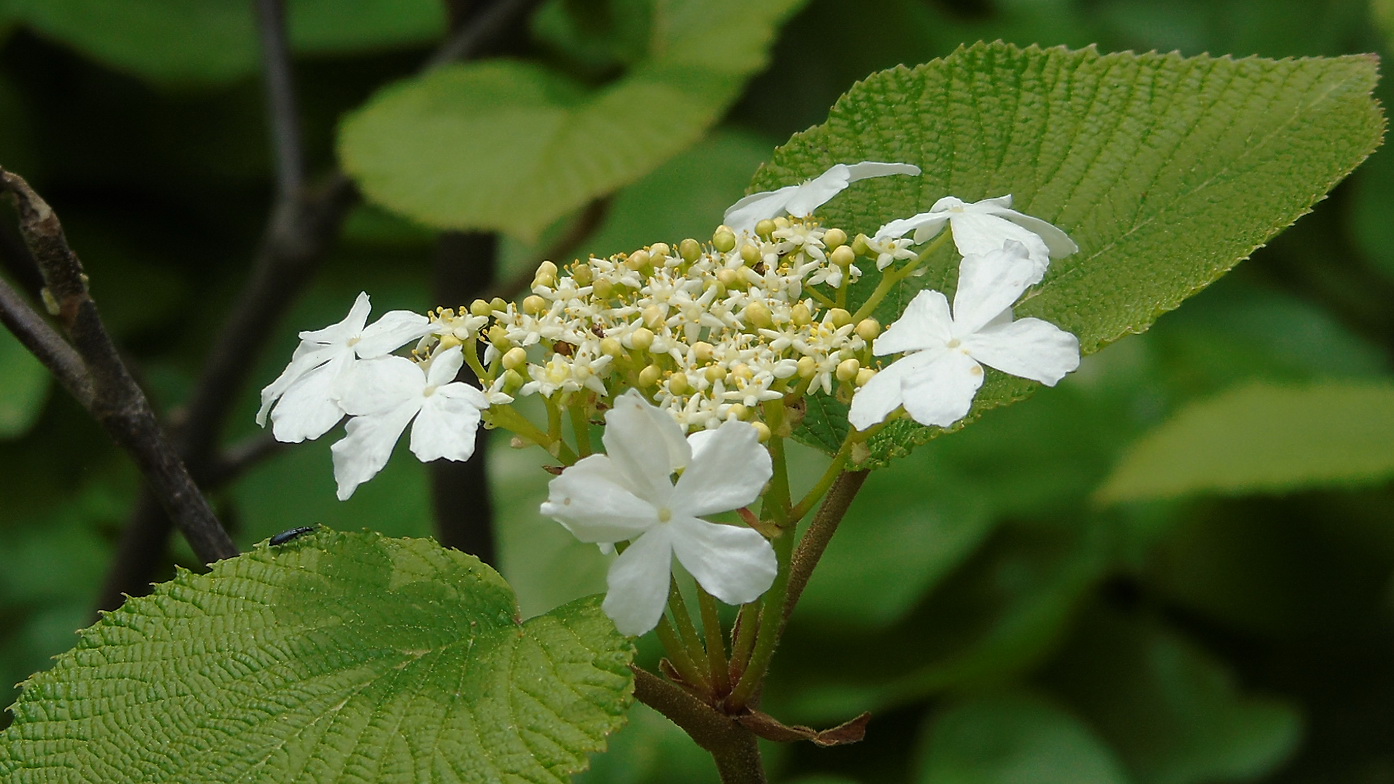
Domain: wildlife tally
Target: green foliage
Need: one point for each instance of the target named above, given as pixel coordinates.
(1263, 438)
(210, 41)
(1128, 153)
(24, 386)
(1172, 712)
(1015, 738)
(332, 655)
(512, 146)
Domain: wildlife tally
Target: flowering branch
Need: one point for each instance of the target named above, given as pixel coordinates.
(117, 402)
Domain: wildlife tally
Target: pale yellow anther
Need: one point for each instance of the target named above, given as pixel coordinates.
(834, 238)
(847, 369)
(650, 375)
(868, 328)
(800, 315)
(843, 256)
(533, 305)
(515, 358)
(757, 314)
(724, 240)
(641, 338)
(690, 250)
(839, 317)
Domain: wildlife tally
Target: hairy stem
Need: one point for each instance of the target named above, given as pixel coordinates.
(819, 533)
(735, 748)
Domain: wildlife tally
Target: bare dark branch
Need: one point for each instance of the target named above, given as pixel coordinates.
(46, 344)
(280, 98)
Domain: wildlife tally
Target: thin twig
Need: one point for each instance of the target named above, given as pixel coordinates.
(46, 344)
(117, 401)
(280, 98)
(469, 38)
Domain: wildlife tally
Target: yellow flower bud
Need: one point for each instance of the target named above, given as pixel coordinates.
(546, 275)
(660, 250)
(808, 366)
(611, 347)
(582, 274)
(843, 256)
(690, 250)
(724, 240)
(654, 316)
(839, 317)
(860, 247)
(800, 315)
(678, 384)
(481, 308)
(834, 238)
(847, 369)
(649, 376)
(750, 253)
(515, 358)
(764, 430)
(867, 329)
(534, 305)
(603, 289)
(641, 338)
(498, 336)
(714, 373)
(728, 278)
(702, 352)
(738, 411)
(864, 376)
(498, 304)
(765, 228)
(758, 314)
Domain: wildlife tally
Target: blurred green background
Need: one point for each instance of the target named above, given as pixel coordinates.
(1001, 623)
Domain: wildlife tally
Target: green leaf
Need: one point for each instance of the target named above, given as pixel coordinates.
(1165, 170)
(513, 146)
(24, 383)
(1263, 438)
(1172, 711)
(211, 41)
(1015, 738)
(333, 657)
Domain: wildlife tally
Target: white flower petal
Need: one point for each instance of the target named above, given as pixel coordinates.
(447, 425)
(989, 284)
(736, 565)
(925, 323)
(391, 332)
(445, 366)
(978, 233)
(308, 409)
(801, 200)
(819, 190)
(868, 169)
(592, 500)
(925, 225)
(368, 386)
(883, 394)
(348, 328)
(750, 210)
(1029, 348)
(733, 470)
(360, 455)
(638, 583)
(634, 439)
(1057, 241)
(941, 392)
(306, 358)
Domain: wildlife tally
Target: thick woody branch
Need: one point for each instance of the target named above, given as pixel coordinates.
(117, 402)
(735, 748)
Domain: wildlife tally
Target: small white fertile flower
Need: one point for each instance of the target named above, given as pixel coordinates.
(944, 352)
(981, 227)
(801, 200)
(305, 394)
(385, 395)
(629, 494)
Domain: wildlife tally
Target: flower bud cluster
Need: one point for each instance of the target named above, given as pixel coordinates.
(710, 331)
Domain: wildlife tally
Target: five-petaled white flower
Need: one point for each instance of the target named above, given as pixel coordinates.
(629, 494)
(941, 371)
(305, 395)
(981, 227)
(802, 200)
(385, 395)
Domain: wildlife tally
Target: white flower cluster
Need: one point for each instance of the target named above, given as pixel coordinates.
(349, 369)
(709, 332)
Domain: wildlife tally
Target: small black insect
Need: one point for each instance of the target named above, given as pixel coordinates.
(294, 533)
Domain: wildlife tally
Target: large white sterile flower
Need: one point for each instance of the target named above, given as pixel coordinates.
(944, 352)
(385, 395)
(802, 200)
(305, 395)
(982, 227)
(629, 494)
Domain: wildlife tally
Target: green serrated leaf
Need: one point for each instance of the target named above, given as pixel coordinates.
(333, 657)
(1014, 738)
(1263, 438)
(24, 383)
(512, 146)
(212, 41)
(1173, 712)
(1167, 171)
